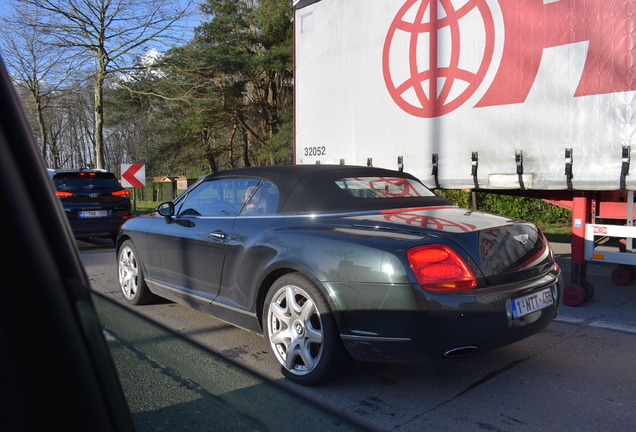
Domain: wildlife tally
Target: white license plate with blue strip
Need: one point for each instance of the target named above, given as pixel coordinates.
(93, 214)
(533, 302)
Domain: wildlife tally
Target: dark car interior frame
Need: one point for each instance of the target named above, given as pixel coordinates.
(55, 368)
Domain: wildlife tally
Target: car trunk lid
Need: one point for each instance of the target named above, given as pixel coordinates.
(505, 250)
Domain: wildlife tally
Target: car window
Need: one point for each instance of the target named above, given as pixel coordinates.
(217, 198)
(77, 182)
(261, 199)
(383, 187)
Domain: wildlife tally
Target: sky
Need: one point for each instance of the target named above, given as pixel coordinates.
(190, 23)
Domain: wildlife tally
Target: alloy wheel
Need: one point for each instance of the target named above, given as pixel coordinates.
(128, 272)
(295, 330)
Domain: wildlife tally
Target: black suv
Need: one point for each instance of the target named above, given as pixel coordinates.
(93, 200)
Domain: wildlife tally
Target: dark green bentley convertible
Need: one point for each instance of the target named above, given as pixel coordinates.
(335, 263)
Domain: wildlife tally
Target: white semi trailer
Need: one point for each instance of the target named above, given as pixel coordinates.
(528, 97)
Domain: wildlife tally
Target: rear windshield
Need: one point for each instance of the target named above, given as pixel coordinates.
(383, 187)
(88, 181)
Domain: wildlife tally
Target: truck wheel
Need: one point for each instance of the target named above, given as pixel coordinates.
(573, 295)
(131, 276)
(622, 275)
(301, 332)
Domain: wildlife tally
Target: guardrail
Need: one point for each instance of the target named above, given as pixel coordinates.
(592, 231)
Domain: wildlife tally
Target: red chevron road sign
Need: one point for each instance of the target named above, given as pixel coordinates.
(133, 175)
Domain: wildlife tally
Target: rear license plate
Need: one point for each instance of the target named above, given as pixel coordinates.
(533, 302)
(93, 214)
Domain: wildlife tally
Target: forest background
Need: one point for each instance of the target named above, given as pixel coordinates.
(187, 88)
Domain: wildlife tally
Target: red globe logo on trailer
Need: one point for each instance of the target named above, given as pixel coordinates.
(431, 65)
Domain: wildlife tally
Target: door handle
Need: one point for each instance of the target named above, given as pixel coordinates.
(218, 235)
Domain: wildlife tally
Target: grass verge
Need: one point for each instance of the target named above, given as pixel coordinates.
(557, 233)
(144, 207)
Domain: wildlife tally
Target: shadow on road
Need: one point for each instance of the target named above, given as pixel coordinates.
(94, 242)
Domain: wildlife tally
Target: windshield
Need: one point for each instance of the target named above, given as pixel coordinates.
(77, 182)
(383, 187)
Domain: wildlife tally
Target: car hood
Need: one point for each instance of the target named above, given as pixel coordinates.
(503, 249)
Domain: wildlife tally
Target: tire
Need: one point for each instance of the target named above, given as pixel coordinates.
(301, 332)
(573, 295)
(622, 275)
(131, 276)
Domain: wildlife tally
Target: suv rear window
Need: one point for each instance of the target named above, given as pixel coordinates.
(383, 187)
(85, 181)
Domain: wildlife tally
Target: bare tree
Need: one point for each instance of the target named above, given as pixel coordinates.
(111, 34)
(39, 71)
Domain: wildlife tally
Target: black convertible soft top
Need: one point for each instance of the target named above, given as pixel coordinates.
(313, 188)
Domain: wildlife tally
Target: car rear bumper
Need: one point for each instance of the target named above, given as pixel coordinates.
(417, 326)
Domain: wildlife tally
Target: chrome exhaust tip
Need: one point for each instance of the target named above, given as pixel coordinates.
(461, 351)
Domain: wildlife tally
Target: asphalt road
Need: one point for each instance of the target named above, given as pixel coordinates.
(577, 375)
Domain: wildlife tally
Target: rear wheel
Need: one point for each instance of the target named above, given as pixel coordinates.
(301, 332)
(622, 275)
(131, 277)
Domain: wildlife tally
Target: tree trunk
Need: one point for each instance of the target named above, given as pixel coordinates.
(212, 162)
(244, 137)
(99, 120)
(246, 155)
(42, 127)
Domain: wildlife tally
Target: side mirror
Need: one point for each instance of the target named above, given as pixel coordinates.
(166, 210)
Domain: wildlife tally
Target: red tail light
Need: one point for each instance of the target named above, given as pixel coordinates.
(63, 194)
(438, 267)
(121, 193)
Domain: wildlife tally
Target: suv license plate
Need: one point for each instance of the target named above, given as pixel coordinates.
(527, 304)
(93, 214)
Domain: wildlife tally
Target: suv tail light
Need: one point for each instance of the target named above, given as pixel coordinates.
(121, 193)
(438, 267)
(63, 194)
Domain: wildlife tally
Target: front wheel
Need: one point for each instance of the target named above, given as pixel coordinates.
(131, 276)
(301, 332)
